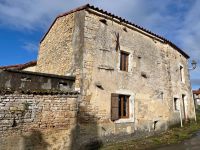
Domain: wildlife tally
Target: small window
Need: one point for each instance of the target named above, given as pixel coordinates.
(125, 29)
(103, 21)
(182, 74)
(124, 61)
(176, 104)
(119, 106)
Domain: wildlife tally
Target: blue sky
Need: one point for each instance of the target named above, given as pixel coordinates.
(24, 22)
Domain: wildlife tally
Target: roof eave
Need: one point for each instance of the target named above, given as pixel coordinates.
(20, 66)
(121, 19)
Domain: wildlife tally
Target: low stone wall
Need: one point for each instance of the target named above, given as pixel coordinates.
(32, 81)
(37, 121)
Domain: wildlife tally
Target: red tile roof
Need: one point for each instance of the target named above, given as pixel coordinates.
(88, 6)
(196, 91)
(20, 66)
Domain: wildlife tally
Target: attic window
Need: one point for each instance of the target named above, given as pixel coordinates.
(104, 21)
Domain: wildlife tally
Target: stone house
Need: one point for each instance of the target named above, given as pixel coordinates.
(129, 78)
(196, 95)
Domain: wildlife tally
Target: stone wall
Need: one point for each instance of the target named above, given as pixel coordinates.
(15, 80)
(55, 52)
(64, 45)
(35, 121)
(152, 80)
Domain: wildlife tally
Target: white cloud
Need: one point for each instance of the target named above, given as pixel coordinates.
(31, 14)
(188, 36)
(30, 47)
(177, 20)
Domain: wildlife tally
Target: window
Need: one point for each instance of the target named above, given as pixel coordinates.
(103, 21)
(176, 104)
(123, 106)
(182, 74)
(119, 106)
(124, 61)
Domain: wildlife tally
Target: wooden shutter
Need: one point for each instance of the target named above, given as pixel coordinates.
(114, 106)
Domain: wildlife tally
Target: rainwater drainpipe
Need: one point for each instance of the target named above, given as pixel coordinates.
(135, 120)
(195, 116)
(194, 66)
(180, 114)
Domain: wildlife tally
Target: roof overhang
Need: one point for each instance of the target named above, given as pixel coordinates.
(20, 66)
(90, 8)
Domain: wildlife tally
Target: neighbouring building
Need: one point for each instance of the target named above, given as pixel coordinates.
(196, 95)
(129, 78)
(29, 66)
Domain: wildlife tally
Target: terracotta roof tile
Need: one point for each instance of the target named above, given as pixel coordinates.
(20, 66)
(196, 91)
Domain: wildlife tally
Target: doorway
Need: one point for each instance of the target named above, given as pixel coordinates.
(184, 102)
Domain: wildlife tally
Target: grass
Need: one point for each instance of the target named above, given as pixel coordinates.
(172, 136)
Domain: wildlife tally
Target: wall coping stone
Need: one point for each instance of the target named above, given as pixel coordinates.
(39, 92)
(41, 74)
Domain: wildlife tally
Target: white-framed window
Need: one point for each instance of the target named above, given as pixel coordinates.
(176, 104)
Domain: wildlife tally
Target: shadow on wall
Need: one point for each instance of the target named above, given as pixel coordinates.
(35, 141)
(85, 134)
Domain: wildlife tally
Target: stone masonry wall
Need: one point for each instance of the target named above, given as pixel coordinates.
(35, 121)
(56, 49)
(152, 80)
(61, 51)
(15, 80)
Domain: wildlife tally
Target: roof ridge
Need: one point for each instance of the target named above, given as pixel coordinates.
(121, 19)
